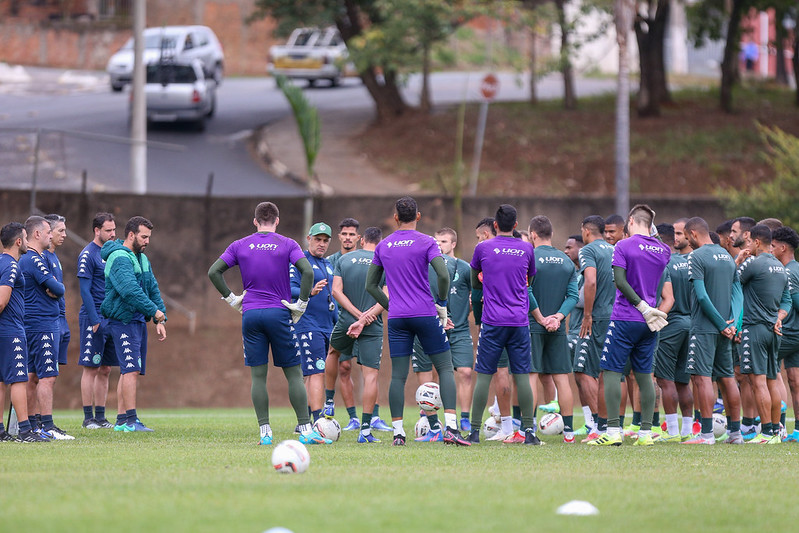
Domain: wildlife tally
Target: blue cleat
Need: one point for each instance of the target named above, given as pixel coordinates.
(466, 426)
(783, 406)
(718, 407)
(139, 426)
(749, 435)
(329, 410)
(43, 433)
(266, 440)
(314, 438)
(379, 425)
(792, 437)
(431, 436)
(126, 428)
(365, 439)
(353, 425)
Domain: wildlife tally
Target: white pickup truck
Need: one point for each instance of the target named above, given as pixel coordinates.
(312, 54)
(179, 92)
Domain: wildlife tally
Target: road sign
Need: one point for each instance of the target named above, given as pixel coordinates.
(489, 87)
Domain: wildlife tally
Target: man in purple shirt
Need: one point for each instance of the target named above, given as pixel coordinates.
(638, 264)
(267, 316)
(404, 256)
(507, 266)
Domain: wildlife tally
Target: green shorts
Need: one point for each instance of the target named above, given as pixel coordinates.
(367, 349)
(709, 355)
(759, 348)
(586, 353)
(789, 349)
(550, 352)
(671, 354)
(462, 347)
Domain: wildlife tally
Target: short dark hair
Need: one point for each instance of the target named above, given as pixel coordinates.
(642, 214)
(33, 223)
(714, 238)
(772, 223)
(349, 223)
(407, 209)
(54, 219)
(666, 232)
(725, 227)
(372, 235)
(595, 223)
(265, 213)
(542, 226)
(487, 221)
(448, 231)
(616, 220)
(577, 238)
(786, 235)
(516, 234)
(505, 217)
(698, 225)
(10, 233)
(760, 232)
(100, 219)
(746, 223)
(135, 223)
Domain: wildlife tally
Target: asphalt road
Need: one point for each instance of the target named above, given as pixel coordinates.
(68, 106)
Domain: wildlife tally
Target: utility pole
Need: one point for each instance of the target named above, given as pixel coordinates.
(138, 122)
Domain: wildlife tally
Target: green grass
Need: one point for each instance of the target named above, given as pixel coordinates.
(201, 471)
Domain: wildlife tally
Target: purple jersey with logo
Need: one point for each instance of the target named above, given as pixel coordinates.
(644, 258)
(264, 260)
(404, 256)
(506, 264)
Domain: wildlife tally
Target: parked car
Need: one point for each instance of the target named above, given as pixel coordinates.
(179, 43)
(312, 54)
(179, 92)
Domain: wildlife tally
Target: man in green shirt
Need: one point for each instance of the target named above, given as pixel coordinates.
(715, 308)
(767, 301)
(784, 242)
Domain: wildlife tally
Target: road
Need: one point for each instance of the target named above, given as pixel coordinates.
(59, 101)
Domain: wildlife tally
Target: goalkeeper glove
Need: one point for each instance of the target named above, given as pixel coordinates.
(441, 309)
(655, 318)
(297, 309)
(235, 300)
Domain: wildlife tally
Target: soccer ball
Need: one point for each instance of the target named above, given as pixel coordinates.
(719, 425)
(290, 457)
(490, 427)
(551, 424)
(422, 427)
(328, 428)
(428, 396)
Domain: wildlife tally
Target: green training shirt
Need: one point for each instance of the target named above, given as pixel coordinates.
(555, 275)
(790, 326)
(765, 284)
(599, 254)
(678, 274)
(333, 258)
(716, 268)
(460, 291)
(352, 269)
(576, 316)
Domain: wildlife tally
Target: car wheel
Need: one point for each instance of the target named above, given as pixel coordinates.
(311, 83)
(212, 109)
(219, 73)
(199, 124)
(335, 82)
(116, 87)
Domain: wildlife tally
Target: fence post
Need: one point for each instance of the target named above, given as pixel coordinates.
(34, 177)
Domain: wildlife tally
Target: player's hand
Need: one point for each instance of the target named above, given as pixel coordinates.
(737, 337)
(297, 309)
(318, 287)
(732, 327)
(449, 325)
(585, 327)
(235, 300)
(160, 328)
(742, 256)
(366, 318)
(50, 294)
(355, 329)
(159, 317)
(95, 327)
(729, 332)
(778, 327)
(552, 323)
(442, 315)
(655, 318)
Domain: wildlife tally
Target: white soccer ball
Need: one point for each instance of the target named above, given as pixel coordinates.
(490, 427)
(328, 428)
(719, 424)
(290, 457)
(422, 427)
(551, 424)
(428, 396)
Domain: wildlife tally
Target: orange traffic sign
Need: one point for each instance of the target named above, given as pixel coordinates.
(489, 86)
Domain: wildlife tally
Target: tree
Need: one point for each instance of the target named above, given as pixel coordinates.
(650, 32)
(624, 11)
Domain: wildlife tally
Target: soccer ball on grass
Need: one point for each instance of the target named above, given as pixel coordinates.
(290, 457)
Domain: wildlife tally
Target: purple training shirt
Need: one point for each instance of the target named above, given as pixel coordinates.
(264, 260)
(644, 258)
(506, 264)
(404, 256)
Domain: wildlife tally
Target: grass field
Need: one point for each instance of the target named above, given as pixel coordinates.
(202, 471)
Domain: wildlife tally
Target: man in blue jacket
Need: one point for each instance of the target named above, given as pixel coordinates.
(131, 299)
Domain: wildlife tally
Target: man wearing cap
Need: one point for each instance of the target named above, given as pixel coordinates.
(314, 328)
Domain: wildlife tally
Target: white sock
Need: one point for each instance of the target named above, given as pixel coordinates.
(398, 429)
(305, 429)
(672, 424)
(367, 431)
(642, 433)
(266, 430)
(451, 420)
(687, 425)
(589, 419)
(506, 425)
(613, 430)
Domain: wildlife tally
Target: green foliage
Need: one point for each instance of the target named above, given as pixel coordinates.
(290, 14)
(307, 118)
(778, 197)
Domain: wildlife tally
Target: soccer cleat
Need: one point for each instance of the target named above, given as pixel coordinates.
(568, 439)
(670, 438)
(297, 429)
(122, 427)
(696, 428)
(466, 425)
(365, 439)
(759, 439)
(646, 440)
(734, 439)
(606, 439)
(91, 424)
(500, 436)
(749, 435)
(312, 437)
(585, 430)
(551, 407)
(699, 439)
(5, 436)
(664, 427)
(531, 439)
(517, 437)
(722, 438)
(329, 410)
(516, 423)
(775, 439)
(474, 436)
(792, 437)
(783, 433)
(44, 434)
(139, 426)
(591, 437)
(59, 434)
(399, 440)
(379, 425)
(718, 407)
(453, 436)
(32, 436)
(631, 431)
(431, 436)
(353, 425)
(103, 423)
(266, 440)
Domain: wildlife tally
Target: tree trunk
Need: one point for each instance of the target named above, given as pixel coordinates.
(425, 102)
(624, 12)
(779, 45)
(729, 65)
(569, 96)
(650, 34)
(533, 65)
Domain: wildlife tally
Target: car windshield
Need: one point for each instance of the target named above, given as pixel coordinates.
(303, 37)
(167, 73)
(154, 42)
(329, 38)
